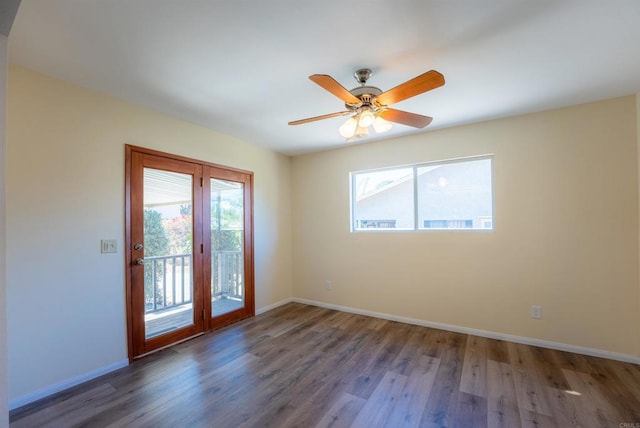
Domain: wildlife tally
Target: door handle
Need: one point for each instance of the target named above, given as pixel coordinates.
(139, 261)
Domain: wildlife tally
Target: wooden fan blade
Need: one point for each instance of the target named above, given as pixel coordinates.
(405, 118)
(324, 116)
(330, 84)
(423, 83)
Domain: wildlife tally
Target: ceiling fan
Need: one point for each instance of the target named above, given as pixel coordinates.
(369, 106)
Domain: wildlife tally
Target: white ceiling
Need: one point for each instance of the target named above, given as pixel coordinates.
(240, 67)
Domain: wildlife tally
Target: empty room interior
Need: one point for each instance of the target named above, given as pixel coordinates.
(338, 213)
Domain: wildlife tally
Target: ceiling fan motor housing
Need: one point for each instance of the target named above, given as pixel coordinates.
(366, 94)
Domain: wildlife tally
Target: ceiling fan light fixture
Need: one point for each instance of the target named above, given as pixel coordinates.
(380, 125)
(366, 118)
(348, 129)
(362, 131)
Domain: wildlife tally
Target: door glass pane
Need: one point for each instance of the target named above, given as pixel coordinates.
(168, 232)
(227, 246)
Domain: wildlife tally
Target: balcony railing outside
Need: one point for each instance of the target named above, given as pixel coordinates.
(227, 269)
(168, 279)
(167, 282)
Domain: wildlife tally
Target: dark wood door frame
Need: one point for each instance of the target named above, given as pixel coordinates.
(211, 171)
(202, 243)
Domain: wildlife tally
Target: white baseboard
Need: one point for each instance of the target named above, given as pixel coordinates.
(267, 308)
(45, 392)
(482, 333)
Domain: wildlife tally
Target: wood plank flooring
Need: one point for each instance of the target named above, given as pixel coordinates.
(304, 366)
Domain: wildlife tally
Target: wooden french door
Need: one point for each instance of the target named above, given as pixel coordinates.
(189, 248)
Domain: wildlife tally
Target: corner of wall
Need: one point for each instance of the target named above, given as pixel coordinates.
(638, 173)
(4, 411)
(291, 228)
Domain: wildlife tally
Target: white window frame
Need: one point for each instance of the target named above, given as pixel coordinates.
(416, 220)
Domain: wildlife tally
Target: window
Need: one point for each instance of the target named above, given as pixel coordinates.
(454, 194)
(383, 199)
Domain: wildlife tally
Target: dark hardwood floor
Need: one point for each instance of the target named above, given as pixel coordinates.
(304, 366)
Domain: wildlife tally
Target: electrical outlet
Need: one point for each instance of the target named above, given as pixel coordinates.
(328, 284)
(536, 312)
(108, 246)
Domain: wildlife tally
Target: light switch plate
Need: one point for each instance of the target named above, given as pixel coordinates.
(108, 246)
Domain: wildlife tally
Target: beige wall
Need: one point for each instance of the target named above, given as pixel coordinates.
(65, 192)
(566, 231)
(4, 413)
